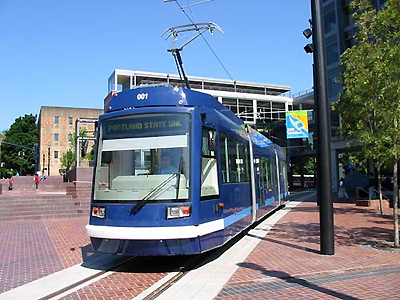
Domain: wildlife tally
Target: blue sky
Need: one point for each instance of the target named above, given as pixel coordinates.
(61, 52)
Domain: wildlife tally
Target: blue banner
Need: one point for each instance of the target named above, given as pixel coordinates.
(297, 124)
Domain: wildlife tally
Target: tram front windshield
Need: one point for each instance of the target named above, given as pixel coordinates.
(143, 157)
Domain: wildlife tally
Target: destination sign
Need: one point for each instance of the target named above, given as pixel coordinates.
(146, 126)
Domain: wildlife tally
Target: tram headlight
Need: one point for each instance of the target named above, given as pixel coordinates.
(174, 212)
(99, 212)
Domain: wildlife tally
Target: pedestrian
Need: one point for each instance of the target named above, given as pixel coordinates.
(36, 181)
(342, 189)
(10, 184)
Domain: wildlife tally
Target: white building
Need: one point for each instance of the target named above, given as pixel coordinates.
(252, 102)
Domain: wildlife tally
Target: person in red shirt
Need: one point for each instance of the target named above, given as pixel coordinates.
(10, 184)
(36, 181)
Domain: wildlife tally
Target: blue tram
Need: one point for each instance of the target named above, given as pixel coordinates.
(178, 173)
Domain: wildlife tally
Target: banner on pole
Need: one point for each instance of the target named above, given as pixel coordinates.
(297, 124)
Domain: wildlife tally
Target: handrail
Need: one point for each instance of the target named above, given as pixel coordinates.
(369, 195)
(383, 195)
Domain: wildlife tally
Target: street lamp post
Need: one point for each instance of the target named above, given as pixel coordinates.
(324, 195)
(21, 154)
(37, 158)
(48, 160)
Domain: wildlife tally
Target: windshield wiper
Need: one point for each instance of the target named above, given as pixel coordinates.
(178, 180)
(151, 194)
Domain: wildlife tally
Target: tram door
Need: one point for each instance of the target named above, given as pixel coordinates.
(265, 185)
(261, 181)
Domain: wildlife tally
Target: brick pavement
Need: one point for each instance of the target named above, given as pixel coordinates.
(33, 249)
(70, 240)
(286, 264)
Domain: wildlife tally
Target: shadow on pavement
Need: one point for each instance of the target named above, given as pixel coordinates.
(297, 281)
(286, 244)
(309, 233)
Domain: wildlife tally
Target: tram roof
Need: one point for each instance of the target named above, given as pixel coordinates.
(166, 95)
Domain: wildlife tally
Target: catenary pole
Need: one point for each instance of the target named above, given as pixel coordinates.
(323, 133)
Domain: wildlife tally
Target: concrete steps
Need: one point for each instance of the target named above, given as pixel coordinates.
(79, 189)
(21, 206)
(54, 198)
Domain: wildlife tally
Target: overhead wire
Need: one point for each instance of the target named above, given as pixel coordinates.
(209, 46)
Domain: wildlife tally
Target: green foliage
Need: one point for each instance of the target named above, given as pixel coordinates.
(356, 159)
(369, 103)
(308, 167)
(90, 154)
(24, 131)
(68, 158)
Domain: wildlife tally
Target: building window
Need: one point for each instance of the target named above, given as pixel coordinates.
(56, 137)
(55, 154)
(330, 22)
(70, 120)
(332, 53)
(56, 120)
(69, 137)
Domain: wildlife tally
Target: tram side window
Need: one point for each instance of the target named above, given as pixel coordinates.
(234, 159)
(244, 159)
(209, 167)
(223, 142)
(282, 172)
(284, 176)
(238, 161)
(268, 174)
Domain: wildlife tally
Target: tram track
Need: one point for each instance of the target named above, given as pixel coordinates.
(190, 265)
(87, 280)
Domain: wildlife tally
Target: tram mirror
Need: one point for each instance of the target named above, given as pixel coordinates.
(106, 157)
(212, 142)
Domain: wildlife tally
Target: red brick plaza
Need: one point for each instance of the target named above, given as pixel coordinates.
(286, 263)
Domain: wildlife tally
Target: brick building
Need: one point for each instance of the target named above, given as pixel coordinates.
(56, 131)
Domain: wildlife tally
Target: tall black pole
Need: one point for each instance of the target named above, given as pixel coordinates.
(36, 153)
(316, 141)
(48, 161)
(323, 133)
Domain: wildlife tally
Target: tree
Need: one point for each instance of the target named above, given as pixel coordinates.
(68, 158)
(23, 132)
(388, 36)
(370, 103)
